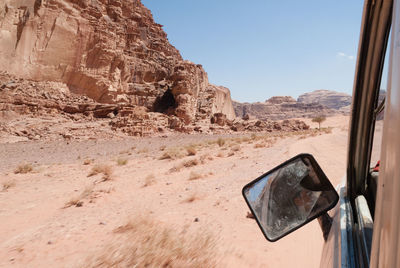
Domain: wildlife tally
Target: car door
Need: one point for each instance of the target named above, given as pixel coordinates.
(385, 250)
(349, 243)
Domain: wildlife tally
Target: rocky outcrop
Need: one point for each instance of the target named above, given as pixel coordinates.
(280, 100)
(110, 51)
(32, 110)
(268, 125)
(278, 108)
(328, 98)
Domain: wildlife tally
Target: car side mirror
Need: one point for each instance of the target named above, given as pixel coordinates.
(289, 196)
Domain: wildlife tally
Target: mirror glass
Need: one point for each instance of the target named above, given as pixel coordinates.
(289, 196)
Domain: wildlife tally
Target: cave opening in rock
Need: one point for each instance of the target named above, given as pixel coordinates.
(165, 102)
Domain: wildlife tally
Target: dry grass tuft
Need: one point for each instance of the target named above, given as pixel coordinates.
(106, 170)
(191, 150)
(221, 142)
(195, 176)
(23, 169)
(236, 148)
(205, 157)
(149, 180)
(87, 162)
(144, 242)
(172, 153)
(164, 156)
(260, 145)
(193, 197)
(246, 139)
(186, 164)
(8, 184)
(122, 161)
(74, 202)
(77, 201)
(143, 150)
(176, 168)
(327, 130)
(190, 163)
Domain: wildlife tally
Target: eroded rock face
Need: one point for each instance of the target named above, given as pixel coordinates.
(33, 110)
(280, 100)
(328, 98)
(277, 109)
(110, 51)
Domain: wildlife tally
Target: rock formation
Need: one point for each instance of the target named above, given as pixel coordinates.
(95, 68)
(278, 108)
(328, 98)
(110, 51)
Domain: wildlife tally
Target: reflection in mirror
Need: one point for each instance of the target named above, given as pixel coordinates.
(290, 196)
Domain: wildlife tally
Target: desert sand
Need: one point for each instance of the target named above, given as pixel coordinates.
(55, 215)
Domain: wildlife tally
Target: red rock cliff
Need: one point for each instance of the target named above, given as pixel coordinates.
(109, 50)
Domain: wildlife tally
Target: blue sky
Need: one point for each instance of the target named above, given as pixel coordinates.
(264, 48)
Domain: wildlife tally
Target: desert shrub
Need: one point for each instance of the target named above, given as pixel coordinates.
(191, 198)
(176, 168)
(87, 162)
(205, 157)
(23, 169)
(172, 153)
(236, 148)
(8, 184)
(194, 176)
(191, 150)
(144, 242)
(221, 142)
(78, 200)
(260, 145)
(187, 164)
(122, 161)
(143, 150)
(106, 170)
(74, 202)
(191, 163)
(165, 156)
(327, 130)
(149, 180)
(246, 139)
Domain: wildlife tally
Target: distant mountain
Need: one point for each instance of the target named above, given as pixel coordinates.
(278, 108)
(328, 98)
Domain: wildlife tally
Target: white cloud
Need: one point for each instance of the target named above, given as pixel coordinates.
(344, 55)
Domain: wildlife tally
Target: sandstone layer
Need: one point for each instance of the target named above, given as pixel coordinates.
(110, 51)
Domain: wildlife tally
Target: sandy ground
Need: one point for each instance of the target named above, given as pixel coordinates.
(37, 231)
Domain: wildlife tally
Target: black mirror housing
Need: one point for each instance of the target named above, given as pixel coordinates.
(289, 196)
